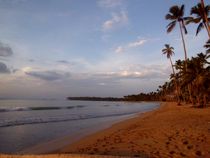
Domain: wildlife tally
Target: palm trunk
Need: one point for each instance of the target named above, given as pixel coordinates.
(183, 42)
(185, 53)
(204, 100)
(172, 65)
(207, 29)
(176, 93)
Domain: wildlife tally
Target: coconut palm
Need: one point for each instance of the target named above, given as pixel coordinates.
(176, 14)
(200, 17)
(168, 51)
(205, 16)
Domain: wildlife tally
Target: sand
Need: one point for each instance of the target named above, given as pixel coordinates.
(59, 156)
(170, 131)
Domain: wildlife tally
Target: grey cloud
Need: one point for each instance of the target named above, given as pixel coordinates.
(31, 60)
(15, 70)
(5, 50)
(4, 68)
(48, 75)
(63, 61)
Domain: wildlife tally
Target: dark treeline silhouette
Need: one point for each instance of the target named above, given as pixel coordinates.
(95, 98)
(152, 96)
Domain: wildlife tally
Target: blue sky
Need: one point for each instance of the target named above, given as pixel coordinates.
(59, 48)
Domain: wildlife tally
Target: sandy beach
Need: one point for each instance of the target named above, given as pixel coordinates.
(170, 131)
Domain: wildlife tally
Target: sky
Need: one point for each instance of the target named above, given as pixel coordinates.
(61, 48)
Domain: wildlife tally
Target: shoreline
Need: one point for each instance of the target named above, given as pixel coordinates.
(104, 131)
(53, 146)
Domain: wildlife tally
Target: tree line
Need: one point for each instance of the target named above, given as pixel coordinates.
(190, 78)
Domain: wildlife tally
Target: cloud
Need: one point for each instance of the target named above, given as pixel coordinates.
(117, 20)
(119, 49)
(63, 61)
(48, 75)
(31, 60)
(137, 43)
(134, 44)
(5, 50)
(138, 74)
(109, 3)
(4, 68)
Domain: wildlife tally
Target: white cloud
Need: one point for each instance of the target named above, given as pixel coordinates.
(134, 44)
(119, 49)
(137, 43)
(109, 3)
(117, 20)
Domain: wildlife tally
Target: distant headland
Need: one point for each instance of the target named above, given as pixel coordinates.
(135, 97)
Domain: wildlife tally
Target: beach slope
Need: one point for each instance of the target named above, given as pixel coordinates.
(170, 131)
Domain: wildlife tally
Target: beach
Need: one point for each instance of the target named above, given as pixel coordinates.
(169, 131)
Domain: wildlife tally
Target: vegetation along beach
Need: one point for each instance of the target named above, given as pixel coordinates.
(104, 78)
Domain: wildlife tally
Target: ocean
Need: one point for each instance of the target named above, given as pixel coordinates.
(25, 124)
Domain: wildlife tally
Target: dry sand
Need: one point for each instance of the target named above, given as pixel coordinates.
(170, 131)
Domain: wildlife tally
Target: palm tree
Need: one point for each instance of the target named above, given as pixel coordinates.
(205, 16)
(200, 17)
(176, 14)
(168, 50)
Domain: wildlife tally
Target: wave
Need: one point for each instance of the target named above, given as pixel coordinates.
(39, 108)
(38, 120)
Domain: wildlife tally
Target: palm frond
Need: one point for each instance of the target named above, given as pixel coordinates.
(167, 46)
(171, 26)
(181, 11)
(207, 9)
(170, 17)
(189, 20)
(174, 9)
(184, 27)
(196, 9)
(200, 26)
(164, 50)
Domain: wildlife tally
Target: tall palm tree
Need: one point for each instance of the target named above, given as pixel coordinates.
(200, 17)
(205, 16)
(176, 14)
(168, 50)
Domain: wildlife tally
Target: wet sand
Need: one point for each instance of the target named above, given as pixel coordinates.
(170, 131)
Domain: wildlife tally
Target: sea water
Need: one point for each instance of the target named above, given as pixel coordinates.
(26, 123)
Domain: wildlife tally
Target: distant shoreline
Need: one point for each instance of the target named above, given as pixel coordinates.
(110, 99)
(96, 98)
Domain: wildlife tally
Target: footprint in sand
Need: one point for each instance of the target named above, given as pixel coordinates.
(198, 153)
(185, 142)
(189, 147)
(172, 152)
(182, 154)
